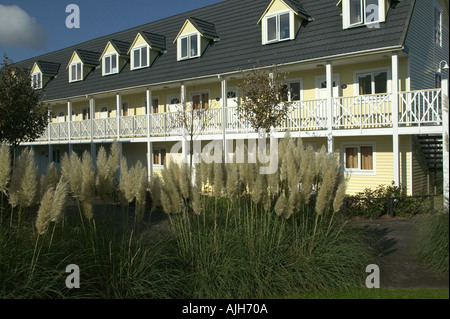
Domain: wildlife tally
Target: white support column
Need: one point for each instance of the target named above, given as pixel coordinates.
(92, 116)
(445, 136)
(118, 114)
(329, 78)
(224, 90)
(395, 106)
(69, 123)
(148, 99)
(50, 153)
(185, 137)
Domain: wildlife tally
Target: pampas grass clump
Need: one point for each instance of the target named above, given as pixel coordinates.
(24, 187)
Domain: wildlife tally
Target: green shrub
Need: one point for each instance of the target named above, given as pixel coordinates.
(384, 200)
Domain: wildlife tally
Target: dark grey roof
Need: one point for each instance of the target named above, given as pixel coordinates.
(206, 28)
(298, 7)
(121, 46)
(88, 57)
(156, 41)
(236, 21)
(48, 68)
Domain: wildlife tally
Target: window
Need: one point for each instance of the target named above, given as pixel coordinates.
(278, 27)
(438, 26)
(159, 157)
(155, 106)
(292, 92)
(36, 80)
(363, 12)
(140, 57)
(373, 83)
(85, 114)
(125, 109)
(189, 46)
(359, 158)
(200, 101)
(110, 64)
(57, 156)
(76, 72)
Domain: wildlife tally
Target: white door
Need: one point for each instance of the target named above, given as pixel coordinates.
(103, 112)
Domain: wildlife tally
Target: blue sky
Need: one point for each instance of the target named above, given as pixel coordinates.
(30, 28)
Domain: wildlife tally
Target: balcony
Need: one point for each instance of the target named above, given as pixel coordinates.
(416, 109)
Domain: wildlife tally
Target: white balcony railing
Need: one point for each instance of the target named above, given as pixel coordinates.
(417, 108)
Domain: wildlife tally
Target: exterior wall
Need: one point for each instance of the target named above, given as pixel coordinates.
(109, 50)
(424, 54)
(383, 162)
(420, 171)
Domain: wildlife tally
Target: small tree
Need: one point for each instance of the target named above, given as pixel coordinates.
(265, 102)
(193, 121)
(24, 116)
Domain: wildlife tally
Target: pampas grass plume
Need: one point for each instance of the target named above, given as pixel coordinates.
(44, 213)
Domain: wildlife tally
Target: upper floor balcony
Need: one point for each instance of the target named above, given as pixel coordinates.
(418, 112)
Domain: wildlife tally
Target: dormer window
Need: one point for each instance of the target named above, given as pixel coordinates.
(364, 12)
(36, 80)
(140, 57)
(282, 20)
(194, 38)
(110, 64)
(189, 46)
(76, 72)
(278, 27)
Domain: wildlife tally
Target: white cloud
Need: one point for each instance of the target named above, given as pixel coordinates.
(19, 29)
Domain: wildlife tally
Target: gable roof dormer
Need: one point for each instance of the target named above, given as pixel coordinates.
(81, 64)
(194, 37)
(42, 72)
(282, 20)
(356, 13)
(114, 57)
(145, 48)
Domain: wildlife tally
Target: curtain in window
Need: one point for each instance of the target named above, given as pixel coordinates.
(351, 157)
(205, 101)
(196, 102)
(366, 158)
(156, 159)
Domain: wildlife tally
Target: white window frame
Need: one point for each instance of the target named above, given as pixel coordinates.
(79, 77)
(381, 14)
(159, 149)
(38, 76)
(147, 62)
(104, 64)
(372, 72)
(437, 7)
(277, 15)
(189, 49)
(359, 171)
